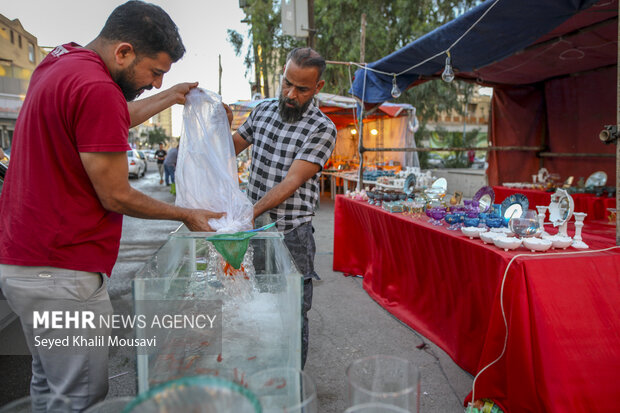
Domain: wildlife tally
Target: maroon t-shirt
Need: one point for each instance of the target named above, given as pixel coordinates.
(50, 214)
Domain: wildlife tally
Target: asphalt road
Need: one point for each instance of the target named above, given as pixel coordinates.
(345, 324)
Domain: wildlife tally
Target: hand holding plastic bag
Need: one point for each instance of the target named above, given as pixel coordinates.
(206, 172)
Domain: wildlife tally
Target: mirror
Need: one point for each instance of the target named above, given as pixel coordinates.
(598, 178)
(543, 175)
(485, 202)
(514, 210)
(568, 182)
(485, 197)
(564, 209)
(410, 183)
(441, 183)
(438, 189)
(561, 207)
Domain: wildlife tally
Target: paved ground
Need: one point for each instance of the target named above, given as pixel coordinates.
(345, 324)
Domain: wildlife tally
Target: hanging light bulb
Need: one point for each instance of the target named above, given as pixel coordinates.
(448, 73)
(395, 90)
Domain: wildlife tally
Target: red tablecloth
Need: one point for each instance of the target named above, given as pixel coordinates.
(594, 206)
(563, 312)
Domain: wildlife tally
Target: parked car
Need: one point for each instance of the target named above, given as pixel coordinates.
(145, 159)
(136, 163)
(150, 154)
(3, 168)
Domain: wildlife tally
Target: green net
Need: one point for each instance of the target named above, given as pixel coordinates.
(232, 246)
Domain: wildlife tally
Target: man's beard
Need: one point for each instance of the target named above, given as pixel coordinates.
(126, 81)
(294, 114)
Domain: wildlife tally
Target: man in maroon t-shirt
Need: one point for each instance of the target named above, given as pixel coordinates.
(67, 188)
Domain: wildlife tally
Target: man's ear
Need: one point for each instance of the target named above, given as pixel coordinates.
(319, 86)
(124, 54)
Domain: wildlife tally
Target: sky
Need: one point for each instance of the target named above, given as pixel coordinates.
(202, 24)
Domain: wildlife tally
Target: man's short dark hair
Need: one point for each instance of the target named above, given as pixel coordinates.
(307, 57)
(147, 27)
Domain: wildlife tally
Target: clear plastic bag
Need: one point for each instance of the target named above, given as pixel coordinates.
(206, 173)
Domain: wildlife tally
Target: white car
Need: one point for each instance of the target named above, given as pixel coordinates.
(136, 163)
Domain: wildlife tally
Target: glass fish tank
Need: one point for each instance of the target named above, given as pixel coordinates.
(258, 307)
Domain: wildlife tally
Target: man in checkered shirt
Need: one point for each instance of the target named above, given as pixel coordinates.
(292, 141)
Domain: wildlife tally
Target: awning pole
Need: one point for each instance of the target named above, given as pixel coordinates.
(360, 146)
(618, 144)
(360, 149)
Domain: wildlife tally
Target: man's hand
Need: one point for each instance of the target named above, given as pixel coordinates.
(198, 219)
(180, 90)
(229, 113)
(143, 109)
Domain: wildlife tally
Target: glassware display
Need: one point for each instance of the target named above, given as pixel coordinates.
(375, 408)
(561, 210)
(49, 403)
(114, 405)
(577, 240)
(454, 220)
(437, 214)
(260, 315)
(527, 225)
(204, 394)
(542, 214)
(384, 379)
(537, 244)
(494, 222)
(284, 390)
(471, 222)
(507, 243)
(514, 206)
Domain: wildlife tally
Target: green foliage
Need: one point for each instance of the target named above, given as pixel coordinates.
(157, 135)
(441, 138)
(268, 47)
(391, 24)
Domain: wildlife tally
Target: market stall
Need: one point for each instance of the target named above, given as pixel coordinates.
(562, 349)
(390, 125)
(553, 67)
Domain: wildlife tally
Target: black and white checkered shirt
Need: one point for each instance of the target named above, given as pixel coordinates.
(275, 146)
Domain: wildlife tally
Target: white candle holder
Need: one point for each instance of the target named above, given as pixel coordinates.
(542, 213)
(577, 240)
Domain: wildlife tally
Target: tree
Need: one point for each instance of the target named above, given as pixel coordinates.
(157, 135)
(268, 47)
(391, 24)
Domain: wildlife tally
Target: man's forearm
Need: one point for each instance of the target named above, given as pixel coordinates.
(138, 205)
(275, 196)
(143, 109)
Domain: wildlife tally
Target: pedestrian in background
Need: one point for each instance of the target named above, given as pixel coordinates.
(67, 189)
(170, 165)
(160, 155)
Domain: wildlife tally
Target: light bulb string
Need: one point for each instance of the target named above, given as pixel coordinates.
(501, 302)
(446, 51)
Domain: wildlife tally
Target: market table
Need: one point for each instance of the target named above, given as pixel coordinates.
(594, 206)
(563, 345)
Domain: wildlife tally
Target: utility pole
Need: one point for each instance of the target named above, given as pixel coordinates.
(360, 146)
(311, 28)
(219, 88)
(363, 39)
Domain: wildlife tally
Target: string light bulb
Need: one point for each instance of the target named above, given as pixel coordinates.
(448, 73)
(395, 90)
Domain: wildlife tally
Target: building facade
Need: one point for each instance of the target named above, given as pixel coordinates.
(164, 120)
(19, 55)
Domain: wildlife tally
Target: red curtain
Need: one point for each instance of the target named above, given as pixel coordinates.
(577, 109)
(567, 113)
(517, 119)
